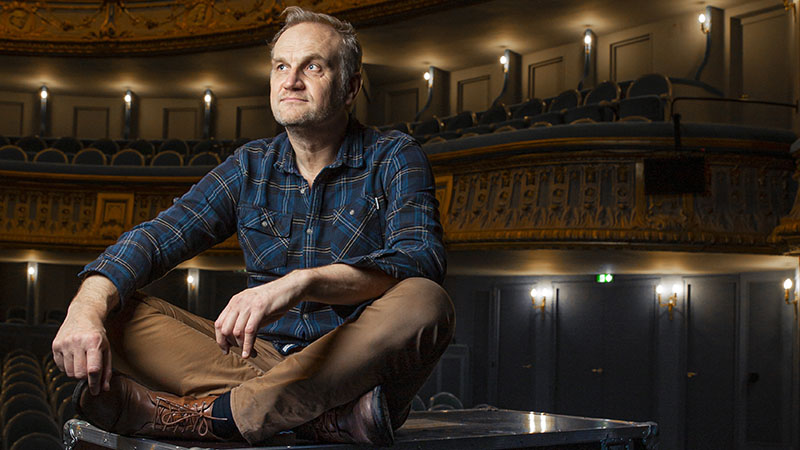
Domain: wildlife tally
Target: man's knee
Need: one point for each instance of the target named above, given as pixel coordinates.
(425, 301)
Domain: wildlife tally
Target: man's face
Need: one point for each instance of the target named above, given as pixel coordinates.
(304, 82)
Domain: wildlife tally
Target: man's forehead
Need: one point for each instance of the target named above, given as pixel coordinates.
(307, 38)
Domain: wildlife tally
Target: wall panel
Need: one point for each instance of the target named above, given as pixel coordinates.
(631, 58)
(12, 116)
(254, 122)
(402, 105)
(473, 94)
(181, 123)
(546, 78)
(90, 122)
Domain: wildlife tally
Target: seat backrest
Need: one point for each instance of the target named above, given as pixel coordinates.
(417, 404)
(28, 422)
(650, 84)
(428, 126)
(446, 398)
(12, 152)
(106, 146)
(208, 145)
(25, 377)
(23, 402)
(68, 144)
(51, 155)
(20, 367)
(177, 145)
(461, 120)
(145, 147)
(90, 156)
(62, 392)
(30, 143)
(606, 91)
(127, 157)
(565, 100)
(21, 387)
(495, 114)
(167, 158)
(532, 107)
(204, 159)
(37, 441)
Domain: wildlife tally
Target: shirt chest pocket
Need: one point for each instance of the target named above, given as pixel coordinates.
(264, 236)
(358, 229)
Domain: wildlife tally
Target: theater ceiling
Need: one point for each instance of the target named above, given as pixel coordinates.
(101, 48)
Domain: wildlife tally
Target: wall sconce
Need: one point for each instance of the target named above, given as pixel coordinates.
(544, 293)
(787, 286)
(504, 62)
(32, 271)
(672, 300)
(128, 99)
(191, 282)
(790, 4)
(427, 76)
(705, 22)
(44, 95)
(208, 102)
(588, 41)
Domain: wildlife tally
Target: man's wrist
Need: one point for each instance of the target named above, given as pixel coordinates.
(96, 296)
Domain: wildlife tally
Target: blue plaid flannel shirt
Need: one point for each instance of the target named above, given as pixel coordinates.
(373, 207)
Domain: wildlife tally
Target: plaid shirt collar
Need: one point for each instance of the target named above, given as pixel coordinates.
(351, 152)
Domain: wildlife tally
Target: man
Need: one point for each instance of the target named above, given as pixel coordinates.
(344, 318)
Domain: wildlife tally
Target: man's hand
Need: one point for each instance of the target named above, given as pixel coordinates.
(81, 348)
(253, 308)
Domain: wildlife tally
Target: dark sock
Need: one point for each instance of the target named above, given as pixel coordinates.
(222, 409)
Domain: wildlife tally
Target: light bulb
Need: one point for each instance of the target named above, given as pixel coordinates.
(587, 39)
(660, 289)
(190, 280)
(547, 292)
(534, 292)
(787, 284)
(701, 18)
(426, 76)
(128, 98)
(504, 60)
(31, 270)
(676, 289)
(43, 94)
(207, 98)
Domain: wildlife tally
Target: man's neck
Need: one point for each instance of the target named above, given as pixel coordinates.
(316, 147)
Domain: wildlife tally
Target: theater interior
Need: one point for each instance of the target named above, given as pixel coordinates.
(617, 182)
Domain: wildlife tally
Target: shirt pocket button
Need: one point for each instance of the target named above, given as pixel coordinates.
(352, 212)
(264, 223)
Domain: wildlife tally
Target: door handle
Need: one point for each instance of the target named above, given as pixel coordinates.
(691, 374)
(598, 371)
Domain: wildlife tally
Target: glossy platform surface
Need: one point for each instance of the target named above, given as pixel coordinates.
(458, 429)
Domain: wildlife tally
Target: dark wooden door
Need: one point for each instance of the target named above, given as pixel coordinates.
(711, 340)
(605, 350)
(516, 371)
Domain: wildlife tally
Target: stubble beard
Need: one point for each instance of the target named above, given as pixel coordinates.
(312, 117)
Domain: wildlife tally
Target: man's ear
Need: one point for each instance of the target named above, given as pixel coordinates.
(353, 87)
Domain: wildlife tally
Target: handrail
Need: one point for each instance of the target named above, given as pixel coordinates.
(730, 100)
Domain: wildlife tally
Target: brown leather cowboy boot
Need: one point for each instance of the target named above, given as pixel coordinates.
(131, 409)
(362, 421)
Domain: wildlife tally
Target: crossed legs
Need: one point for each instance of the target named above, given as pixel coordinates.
(395, 342)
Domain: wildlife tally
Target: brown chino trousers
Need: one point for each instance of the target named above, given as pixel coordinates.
(395, 342)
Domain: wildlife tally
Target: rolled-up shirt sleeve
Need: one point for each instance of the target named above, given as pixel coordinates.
(201, 218)
(413, 234)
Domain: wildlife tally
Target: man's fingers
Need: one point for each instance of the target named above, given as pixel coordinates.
(107, 370)
(59, 359)
(239, 328)
(220, 337)
(94, 369)
(249, 336)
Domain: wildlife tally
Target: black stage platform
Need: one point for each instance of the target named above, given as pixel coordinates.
(457, 429)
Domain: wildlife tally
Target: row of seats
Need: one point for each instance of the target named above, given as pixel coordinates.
(71, 145)
(645, 100)
(19, 315)
(125, 157)
(36, 401)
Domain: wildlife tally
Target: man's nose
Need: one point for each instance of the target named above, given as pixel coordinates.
(293, 80)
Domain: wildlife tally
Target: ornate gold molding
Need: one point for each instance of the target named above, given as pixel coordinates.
(146, 27)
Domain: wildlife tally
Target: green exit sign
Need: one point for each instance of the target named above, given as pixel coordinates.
(605, 278)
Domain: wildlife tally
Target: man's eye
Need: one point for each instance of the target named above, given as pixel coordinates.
(313, 67)
(280, 67)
